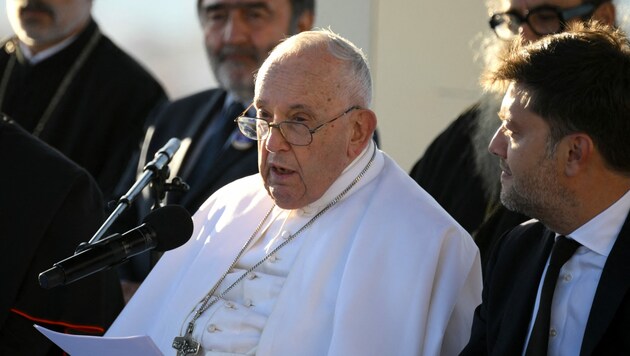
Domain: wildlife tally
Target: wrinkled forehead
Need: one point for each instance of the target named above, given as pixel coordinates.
(310, 70)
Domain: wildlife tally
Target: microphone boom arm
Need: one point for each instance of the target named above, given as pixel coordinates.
(157, 171)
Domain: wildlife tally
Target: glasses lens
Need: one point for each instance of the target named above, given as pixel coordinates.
(247, 125)
(505, 25)
(296, 133)
(544, 21)
(262, 129)
(257, 129)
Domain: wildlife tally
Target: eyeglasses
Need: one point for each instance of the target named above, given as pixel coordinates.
(296, 133)
(543, 20)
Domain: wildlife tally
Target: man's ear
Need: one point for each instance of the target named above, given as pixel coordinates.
(305, 21)
(605, 13)
(580, 151)
(363, 126)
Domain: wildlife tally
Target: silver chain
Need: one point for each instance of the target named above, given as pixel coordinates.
(210, 299)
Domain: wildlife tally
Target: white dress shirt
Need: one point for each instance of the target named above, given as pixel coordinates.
(579, 278)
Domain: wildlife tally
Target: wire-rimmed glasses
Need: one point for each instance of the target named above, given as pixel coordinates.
(543, 20)
(296, 133)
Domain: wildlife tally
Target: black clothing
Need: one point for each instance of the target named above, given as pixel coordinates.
(99, 119)
(511, 283)
(187, 119)
(447, 172)
(48, 206)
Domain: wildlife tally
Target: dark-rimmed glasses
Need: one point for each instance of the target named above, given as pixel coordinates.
(296, 133)
(543, 20)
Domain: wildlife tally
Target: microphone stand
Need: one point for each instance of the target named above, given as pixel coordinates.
(155, 173)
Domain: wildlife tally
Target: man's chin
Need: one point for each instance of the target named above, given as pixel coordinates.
(33, 36)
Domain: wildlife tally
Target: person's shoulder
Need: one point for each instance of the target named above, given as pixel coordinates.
(41, 169)
(521, 240)
(115, 64)
(18, 143)
(180, 113)
(412, 203)
(235, 196)
(525, 230)
(243, 187)
(197, 99)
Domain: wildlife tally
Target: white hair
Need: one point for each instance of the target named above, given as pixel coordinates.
(359, 87)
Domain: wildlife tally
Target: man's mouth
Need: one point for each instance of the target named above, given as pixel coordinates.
(280, 170)
(36, 8)
(504, 168)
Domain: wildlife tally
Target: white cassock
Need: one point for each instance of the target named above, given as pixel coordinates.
(385, 271)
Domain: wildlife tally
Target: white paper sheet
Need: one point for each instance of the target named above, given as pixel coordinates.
(80, 345)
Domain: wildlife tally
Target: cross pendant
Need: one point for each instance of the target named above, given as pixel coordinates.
(185, 345)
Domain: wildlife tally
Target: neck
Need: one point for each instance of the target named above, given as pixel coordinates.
(592, 197)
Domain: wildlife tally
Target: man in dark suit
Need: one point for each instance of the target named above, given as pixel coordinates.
(238, 36)
(565, 161)
(48, 206)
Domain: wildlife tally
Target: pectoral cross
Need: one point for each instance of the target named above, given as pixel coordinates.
(185, 345)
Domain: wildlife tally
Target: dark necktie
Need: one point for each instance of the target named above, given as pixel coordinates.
(562, 251)
(213, 142)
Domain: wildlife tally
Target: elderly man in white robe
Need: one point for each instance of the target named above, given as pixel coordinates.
(331, 250)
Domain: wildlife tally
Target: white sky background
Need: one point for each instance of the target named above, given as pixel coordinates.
(165, 36)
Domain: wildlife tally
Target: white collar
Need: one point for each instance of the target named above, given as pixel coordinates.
(47, 53)
(600, 233)
(346, 177)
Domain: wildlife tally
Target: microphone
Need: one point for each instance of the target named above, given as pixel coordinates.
(163, 229)
(164, 155)
(156, 170)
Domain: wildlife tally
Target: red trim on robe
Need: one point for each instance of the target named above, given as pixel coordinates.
(90, 329)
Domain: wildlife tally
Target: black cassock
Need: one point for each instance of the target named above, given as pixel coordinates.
(100, 116)
(48, 205)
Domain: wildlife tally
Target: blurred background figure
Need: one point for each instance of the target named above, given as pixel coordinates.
(49, 206)
(457, 169)
(65, 82)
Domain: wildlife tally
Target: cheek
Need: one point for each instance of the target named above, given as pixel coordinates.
(262, 157)
(321, 168)
(211, 38)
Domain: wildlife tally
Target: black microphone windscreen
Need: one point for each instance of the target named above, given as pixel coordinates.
(172, 224)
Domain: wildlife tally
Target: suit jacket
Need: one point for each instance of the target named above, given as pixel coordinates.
(510, 286)
(187, 119)
(48, 206)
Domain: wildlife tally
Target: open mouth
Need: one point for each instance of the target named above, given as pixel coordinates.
(280, 170)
